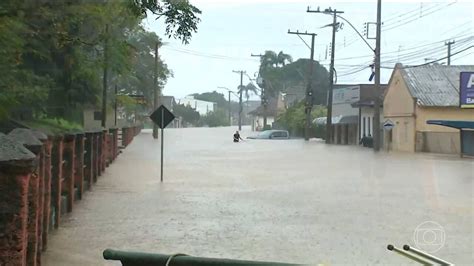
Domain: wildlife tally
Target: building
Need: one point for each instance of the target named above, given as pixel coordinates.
(202, 107)
(418, 94)
(365, 108)
(275, 107)
(169, 102)
(352, 112)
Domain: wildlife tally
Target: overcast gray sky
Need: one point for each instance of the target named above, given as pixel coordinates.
(231, 30)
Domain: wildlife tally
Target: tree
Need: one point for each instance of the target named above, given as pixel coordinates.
(292, 78)
(138, 79)
(268, 60)
(180, 16)
(283, 59)
(214, 96)
(187, 113)
(247, 90)
(52, 51)
(294, 119)
(216, 118)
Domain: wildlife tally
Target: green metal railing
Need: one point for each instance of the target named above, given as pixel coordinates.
(150, 259)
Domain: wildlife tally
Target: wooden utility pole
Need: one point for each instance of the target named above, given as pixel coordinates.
(449, 50)
(334, 25)
(376, 123)
(264, 93)
(309, 89)
(105, 77)
(230, 110)
(155, 90)
(240, 95)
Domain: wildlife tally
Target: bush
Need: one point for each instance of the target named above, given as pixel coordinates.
(216, 118)
(294, 120)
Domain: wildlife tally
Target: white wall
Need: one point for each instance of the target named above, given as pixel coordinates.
(202, 107)
(342, 100)
(258, 122)
(368, 114)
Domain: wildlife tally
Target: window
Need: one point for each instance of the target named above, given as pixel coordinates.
(368, 126)
(363, 126)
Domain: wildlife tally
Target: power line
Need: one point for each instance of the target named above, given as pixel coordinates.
(212, 56)
(424, 15)
(424, 46)
(402, 14)
(437, 60)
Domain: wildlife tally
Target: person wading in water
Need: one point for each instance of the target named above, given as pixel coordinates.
(237, 137)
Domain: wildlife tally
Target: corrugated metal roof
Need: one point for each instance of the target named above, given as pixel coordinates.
(434, 85)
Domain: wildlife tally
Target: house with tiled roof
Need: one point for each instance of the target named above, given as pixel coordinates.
(417, 94)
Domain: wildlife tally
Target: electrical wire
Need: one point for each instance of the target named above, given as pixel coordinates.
(402, 14)
(417, 18)
(206, 55)
(437, 60)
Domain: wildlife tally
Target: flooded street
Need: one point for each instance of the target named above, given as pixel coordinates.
(280, 200)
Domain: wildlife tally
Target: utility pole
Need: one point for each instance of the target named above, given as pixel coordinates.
(376, 123)
(449, 50)
(262, 84)
(155, 90)
(105, 77)
(230, 110)
(240, 95)
(335, 26)
(309, 90)
(230, 103)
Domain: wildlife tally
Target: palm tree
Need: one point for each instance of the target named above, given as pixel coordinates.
(283, 58)
(268, 60)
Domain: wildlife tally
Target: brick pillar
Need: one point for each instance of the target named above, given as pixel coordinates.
(114, 142)
(100, 147)
(56, 179)
(41, 192)
(47, 192)
(68, 170)
(124, 137)
(105, 149)
(16, 166)
(88, 159)
(79, 164)
(29, 140)
(96, 156)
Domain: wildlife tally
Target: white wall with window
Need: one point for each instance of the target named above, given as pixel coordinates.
(367, 121)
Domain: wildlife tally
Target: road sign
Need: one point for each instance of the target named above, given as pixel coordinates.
(466, 90)
(162, 117)
(388, 125)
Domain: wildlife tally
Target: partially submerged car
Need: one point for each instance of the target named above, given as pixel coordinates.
(271, 134)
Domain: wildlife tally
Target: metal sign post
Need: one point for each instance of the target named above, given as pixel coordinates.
(162, 141)
(162, 117)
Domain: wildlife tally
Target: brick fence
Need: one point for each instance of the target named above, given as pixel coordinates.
(41, 177)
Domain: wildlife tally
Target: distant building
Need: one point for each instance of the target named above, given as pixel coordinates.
(169, 102)
(365, 108)
(202, 107)
(275, 107)
(352, 112)
(418, 94)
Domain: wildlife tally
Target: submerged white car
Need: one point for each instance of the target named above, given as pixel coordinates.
(272, 134)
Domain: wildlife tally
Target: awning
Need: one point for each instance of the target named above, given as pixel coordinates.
(452, 123)
(341, 120)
